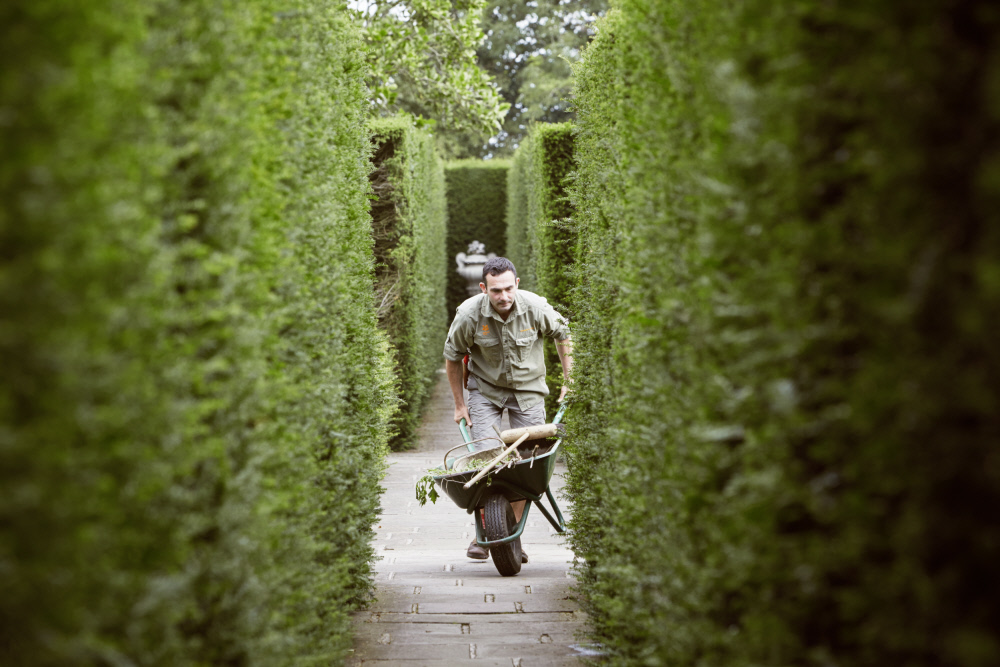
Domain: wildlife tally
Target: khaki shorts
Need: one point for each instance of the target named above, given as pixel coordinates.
(484, 414)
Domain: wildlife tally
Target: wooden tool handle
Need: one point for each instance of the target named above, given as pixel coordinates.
(533, 432)
(488, 467)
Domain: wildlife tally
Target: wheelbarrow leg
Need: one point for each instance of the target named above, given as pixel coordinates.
(559, 525)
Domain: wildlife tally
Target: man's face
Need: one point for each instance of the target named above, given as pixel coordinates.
(501, 290)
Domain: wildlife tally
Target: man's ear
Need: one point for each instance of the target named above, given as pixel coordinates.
(517, 282)
(482, 286)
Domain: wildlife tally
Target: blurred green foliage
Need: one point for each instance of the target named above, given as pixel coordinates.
(528, 50)
(195, 394)
(540, 231)
(409, 220)
(422, 60)
(783, 435)
(477, 209)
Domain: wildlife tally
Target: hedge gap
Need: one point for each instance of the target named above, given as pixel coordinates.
(477, 210)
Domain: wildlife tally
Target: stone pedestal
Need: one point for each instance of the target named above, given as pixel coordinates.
(470, 266)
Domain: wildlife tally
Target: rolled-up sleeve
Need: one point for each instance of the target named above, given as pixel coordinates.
(553, 324)
(460, 336)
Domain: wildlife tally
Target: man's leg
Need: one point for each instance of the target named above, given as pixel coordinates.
(519, 419)
(532, 416)
(484, 414)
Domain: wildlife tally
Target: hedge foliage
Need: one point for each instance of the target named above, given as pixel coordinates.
(409, 220)
(783, 448)
(477, 211)
(541, 236)
(195, 394)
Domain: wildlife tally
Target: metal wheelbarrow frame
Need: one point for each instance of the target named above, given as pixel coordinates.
(527, 479)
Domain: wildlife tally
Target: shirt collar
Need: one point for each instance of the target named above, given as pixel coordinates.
(488, 310)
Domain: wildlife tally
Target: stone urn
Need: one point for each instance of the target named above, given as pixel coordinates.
(470, 266)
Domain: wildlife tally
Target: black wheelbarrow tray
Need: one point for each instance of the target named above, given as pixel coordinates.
(527, 479)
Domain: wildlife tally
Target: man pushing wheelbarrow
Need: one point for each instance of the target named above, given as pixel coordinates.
(499, 333)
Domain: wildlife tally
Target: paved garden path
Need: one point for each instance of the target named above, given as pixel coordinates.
(437, 607)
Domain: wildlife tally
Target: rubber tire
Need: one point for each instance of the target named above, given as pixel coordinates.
(500, 523)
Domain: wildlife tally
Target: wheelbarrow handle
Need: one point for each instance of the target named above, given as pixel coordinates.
(449, 452)
(464, 428)
(470, 447)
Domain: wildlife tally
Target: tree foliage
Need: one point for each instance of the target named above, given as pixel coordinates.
(421, 55)
(528, 50)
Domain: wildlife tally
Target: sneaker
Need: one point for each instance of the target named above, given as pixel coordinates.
(479, 553)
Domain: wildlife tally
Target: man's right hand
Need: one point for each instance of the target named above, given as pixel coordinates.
(462, 412)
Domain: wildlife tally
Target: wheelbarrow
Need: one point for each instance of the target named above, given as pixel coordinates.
(523, 474)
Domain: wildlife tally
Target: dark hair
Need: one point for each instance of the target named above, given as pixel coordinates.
(496, 266)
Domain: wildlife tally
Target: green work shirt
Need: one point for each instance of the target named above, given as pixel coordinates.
(505, 357)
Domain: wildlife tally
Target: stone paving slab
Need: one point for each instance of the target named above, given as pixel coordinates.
(507, 645)
(544, 565)
(422, 633)
(377, 617)
(468, 650)
(416, 583)
(489, 662)
(477, 604)
(436, 607)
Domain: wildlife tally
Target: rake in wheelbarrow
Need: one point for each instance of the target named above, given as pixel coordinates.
(519, 467)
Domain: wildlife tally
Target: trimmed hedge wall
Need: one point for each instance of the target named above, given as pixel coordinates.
(541, 236)
(195, 393)
(409, 220)
(783, 441)
(477, 211)
(539, 232)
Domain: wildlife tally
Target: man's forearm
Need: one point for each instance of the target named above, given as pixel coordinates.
(565, 349)
(454, 369)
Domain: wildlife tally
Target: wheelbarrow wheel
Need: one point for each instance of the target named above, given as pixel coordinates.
(500, 523)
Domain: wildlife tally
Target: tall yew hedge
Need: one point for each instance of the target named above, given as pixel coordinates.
(541, 236)
(409, 221)
(539, 230)
(784, 435)
(195, 395)
(477, 211)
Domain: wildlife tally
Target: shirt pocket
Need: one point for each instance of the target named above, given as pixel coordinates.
(491, 349)
(525, 346)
